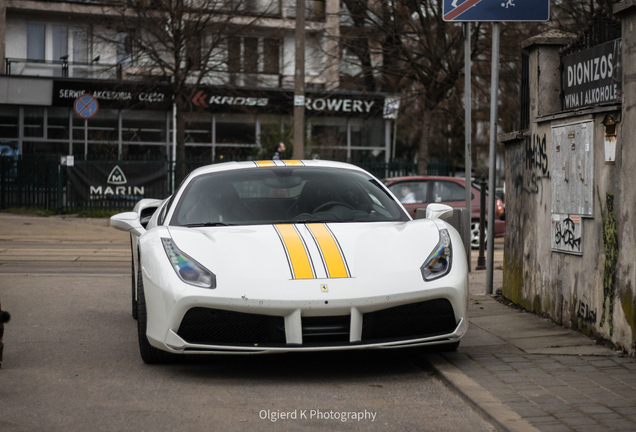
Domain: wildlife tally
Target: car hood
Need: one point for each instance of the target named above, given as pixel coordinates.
(309, 251)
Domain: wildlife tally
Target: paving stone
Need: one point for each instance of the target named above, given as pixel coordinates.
(526, 409)
(556, 428)
(548, 419)
(606, 416)
(592, 428)
(591, 409)
(619, 424)
(603, 363)
(631, 410)
(578, 421)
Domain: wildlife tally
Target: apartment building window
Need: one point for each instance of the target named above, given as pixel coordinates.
(244, 55)
(234, 55)
(80, 44)
(36, 42)
(250, 55)
(125, 47)
(193, 53)
(60, 42)
(271, 56)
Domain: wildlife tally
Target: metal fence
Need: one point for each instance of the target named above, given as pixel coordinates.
(40, 181)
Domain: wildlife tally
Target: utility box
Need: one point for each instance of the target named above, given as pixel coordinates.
(572, 184)
(573, 169)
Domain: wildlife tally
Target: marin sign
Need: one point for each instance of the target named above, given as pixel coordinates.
(122, 183)
(592, 77)
(111, 95)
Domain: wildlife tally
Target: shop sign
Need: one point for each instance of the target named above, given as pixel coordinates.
(593, 76)
(222, 99)
(112, 95)
(109, 183)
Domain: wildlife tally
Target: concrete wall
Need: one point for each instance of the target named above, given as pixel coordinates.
(594, 292)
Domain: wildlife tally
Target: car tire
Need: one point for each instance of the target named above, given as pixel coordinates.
(474, 235)
(149, 354)
(133, 281)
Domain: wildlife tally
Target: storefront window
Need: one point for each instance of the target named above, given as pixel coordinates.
(31, 147)
(137, 151)
(328, 132)
(199, 152)
(110, 150)
(226, 154)
(235, 129)
(34, 122)
(367, 133)
(198, 128)
(143, 126)
(8, 121)
(103, 127)
(57, 123)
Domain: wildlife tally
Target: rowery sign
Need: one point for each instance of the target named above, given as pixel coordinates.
(593, 76)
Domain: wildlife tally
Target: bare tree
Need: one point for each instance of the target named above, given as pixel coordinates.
(182, 43)
(421, 55)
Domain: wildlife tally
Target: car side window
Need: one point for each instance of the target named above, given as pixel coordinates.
(410, 192)
(444, 191)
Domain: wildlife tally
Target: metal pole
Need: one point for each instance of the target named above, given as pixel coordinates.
(299, 83)
(174, 143)
(467, 133)
(494, 87)
(481, 259)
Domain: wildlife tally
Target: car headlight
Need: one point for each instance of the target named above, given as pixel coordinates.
(439, 261)
(188, 270)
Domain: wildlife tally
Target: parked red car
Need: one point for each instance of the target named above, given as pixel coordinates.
(418, 191)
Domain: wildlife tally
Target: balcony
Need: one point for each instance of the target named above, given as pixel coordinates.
(63, 69)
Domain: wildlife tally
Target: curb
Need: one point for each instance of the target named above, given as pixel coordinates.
(502, 417)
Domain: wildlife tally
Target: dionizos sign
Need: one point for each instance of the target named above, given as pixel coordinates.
(593, 76)
(123, 182)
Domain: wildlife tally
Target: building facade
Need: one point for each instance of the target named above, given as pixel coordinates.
(54, 52)
(570, 221)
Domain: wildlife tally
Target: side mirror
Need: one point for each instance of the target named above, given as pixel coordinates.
(129, 222)
(439, 211)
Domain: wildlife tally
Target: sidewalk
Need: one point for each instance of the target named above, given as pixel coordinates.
(525, 373)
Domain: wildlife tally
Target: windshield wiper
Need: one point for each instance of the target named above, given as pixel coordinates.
(205, 224)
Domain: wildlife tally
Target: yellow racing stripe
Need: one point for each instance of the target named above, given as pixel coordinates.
(298, 257)
(293, 162)
(334, 261)
(265, 163)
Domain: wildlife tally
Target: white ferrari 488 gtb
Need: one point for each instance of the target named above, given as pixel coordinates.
(277, 256)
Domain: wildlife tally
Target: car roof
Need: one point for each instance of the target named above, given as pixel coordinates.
(230, 166)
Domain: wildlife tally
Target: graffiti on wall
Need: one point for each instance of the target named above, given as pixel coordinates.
(565, 234)
(610, 242)
(585, 313)
(537, 165)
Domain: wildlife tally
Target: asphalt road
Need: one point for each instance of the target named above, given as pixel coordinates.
(71, 363)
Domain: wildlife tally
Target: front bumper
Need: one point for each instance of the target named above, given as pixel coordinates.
(208, 325)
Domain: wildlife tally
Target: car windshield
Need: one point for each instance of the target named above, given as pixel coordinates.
(284, 195)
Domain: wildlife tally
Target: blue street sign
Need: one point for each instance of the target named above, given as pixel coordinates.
(496, 10)
(86, 106)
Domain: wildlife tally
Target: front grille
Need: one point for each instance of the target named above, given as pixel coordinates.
(220, 327)
(411, 321)
(329, 329)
